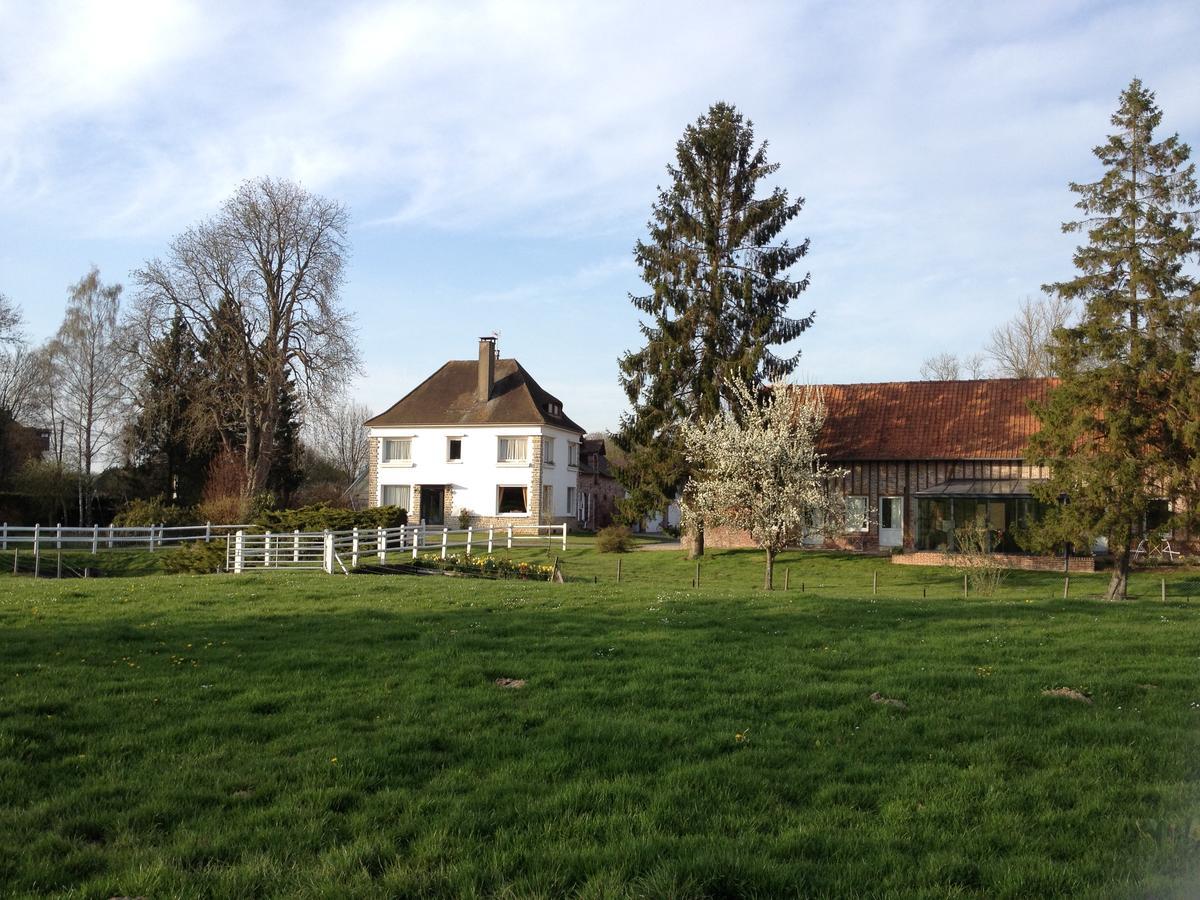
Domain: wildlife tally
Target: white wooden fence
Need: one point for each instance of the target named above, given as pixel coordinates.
(341, 551)
(107, 537)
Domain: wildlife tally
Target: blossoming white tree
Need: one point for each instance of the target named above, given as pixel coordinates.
(759, 470)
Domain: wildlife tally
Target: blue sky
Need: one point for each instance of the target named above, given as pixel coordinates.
(499, 159)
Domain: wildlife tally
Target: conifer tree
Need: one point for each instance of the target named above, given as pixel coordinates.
(1112, 432)
(720, 287)
(164, 437)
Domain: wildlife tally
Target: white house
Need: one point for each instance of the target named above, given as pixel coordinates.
(478, 438)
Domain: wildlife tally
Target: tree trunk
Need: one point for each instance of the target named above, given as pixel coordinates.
(697, 548)
(1118, 585)
(769, 577)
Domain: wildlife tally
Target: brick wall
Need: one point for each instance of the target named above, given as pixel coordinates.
(1013, 561)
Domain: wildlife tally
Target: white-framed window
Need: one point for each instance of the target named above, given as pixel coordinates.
(570, 501)
(454, 447)
(512, 450)
(396, 495)
(573, 453)
(856, 513)
(547, 499)
(548, 451)
(396, 451)
(512, 500)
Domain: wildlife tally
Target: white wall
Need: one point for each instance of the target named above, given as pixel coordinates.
(477, 476)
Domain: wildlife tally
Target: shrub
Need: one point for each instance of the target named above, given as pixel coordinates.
(154, 511)
(985, 570)
(464, 518)
(614, 539)
(197, 558)
(222, 510)
(322, 516)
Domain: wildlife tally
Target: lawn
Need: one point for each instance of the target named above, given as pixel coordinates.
(309, 735)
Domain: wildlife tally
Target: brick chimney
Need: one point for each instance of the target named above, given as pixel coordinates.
(487, 368)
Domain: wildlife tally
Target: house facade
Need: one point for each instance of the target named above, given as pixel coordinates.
(478, 440)
(926, 458)
(599, 489)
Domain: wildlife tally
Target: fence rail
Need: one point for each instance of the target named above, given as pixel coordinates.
(340, 551)
(108, 537)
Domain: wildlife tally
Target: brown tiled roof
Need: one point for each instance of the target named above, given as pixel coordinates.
(447, 397)
(898, 420)
(594, 447)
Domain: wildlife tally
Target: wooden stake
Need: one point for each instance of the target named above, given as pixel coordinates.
(618, 570)
(964, 585)
(875, 582)
(787, 574)
(1164, 590)
(15, 552)
(1066, 586)
(802, 587)
(58, 571)
(697, 581)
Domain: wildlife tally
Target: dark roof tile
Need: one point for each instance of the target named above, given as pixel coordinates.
(447, 397)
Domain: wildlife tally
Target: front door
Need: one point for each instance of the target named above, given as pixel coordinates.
(891, 521)
(432, 501)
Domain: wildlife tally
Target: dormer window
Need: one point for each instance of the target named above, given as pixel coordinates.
(554, 409)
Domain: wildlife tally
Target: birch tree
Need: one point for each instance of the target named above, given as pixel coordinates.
(86, 368)
(761, 471)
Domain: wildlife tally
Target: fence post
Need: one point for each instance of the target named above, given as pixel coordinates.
(328, 552)
(491, 534)
(415, 542)
(354, 547)
(564, 526)
(470, 534)
(58, 537)
(267, 550)
(381, 544)
(296, 545)
(208, 532)
(95, 539)
(509, 537)
(403, 530)
(37, 548)
(445, 539)
(5, 538)
(110, 537)
(228, 550)
(239, 551)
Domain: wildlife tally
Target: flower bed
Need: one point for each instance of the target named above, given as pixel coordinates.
(487, 566)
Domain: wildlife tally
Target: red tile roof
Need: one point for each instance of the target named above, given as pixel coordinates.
(899, 420)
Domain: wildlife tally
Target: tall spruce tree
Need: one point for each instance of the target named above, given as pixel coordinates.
(1119, 431)
(719, 294)
(165, 440)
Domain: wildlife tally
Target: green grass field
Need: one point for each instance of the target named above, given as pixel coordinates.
(317, 736)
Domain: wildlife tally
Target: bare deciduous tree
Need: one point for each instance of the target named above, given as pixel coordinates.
(336, 432)
(1021, 347)
(10, 321)
(949, 367)
(85, 376)
(261, 281)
